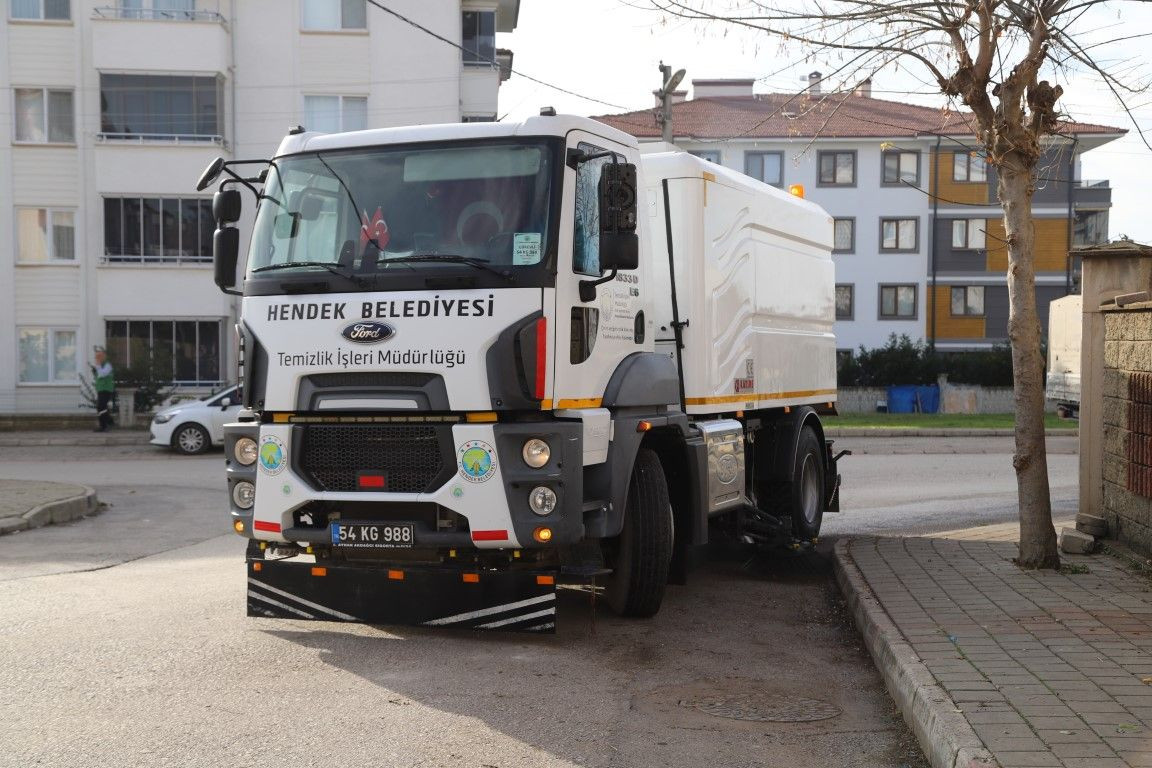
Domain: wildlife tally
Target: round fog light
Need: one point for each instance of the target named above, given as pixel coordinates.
(245, 450)
(244, 494)
(542, 500)
(536, 453)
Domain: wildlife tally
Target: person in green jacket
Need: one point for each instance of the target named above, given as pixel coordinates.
(104, 380)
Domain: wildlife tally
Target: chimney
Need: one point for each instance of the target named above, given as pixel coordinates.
(864, 90)
(710, 89)
(677, 97)
(814, 79)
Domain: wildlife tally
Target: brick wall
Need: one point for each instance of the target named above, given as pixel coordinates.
(1128, 424)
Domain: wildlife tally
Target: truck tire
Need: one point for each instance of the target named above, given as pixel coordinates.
(644, 547)
(804, 495)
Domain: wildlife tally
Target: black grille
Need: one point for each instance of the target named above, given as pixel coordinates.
(413, 458)
(370, 379)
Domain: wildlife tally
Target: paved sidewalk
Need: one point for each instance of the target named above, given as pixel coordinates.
(28, 504)
(27, 438)
(993, 665)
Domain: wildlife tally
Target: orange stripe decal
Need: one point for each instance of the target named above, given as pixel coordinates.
(760, 396)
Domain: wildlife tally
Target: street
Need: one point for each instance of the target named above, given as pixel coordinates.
(124, 641)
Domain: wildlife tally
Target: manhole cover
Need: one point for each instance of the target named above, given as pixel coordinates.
(762, 707)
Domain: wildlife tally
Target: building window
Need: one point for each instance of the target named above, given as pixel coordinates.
(844, 235)
(898, 302)
(901, 167)
(333, 114)
(478, 119)
(845, 301)
(711, 155)
(899, 234)
(154, 229)
(837, 169)
(44, 115)
(45, 234)
(1089, 228)
(189, 348)
(767, 167)
(478, 37)
(331, 15)
(968, 234)
(47, 355)
(969, 166)
(44, 10)
(161, 107)
(968, 300)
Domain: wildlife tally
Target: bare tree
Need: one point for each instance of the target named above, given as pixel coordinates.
(989, 56)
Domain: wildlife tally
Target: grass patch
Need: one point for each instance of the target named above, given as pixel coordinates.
(940, 421)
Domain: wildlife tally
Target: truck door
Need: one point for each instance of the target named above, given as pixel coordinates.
(593, 337)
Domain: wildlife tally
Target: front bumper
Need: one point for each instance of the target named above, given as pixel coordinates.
(481, 478)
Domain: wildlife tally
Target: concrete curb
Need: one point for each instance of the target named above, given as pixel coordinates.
(946, 737)
(941, 432)
(53, 438)
(56, 511)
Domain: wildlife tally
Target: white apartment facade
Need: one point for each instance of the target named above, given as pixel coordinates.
(114, 107)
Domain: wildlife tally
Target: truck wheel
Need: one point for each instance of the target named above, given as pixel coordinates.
(644, 547)
(804, 496)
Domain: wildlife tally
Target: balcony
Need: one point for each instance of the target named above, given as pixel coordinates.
(155, 37)
(1091, 193)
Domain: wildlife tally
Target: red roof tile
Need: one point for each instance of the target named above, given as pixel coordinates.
(830, 115)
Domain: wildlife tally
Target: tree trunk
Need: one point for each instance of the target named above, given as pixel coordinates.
(1037, 536)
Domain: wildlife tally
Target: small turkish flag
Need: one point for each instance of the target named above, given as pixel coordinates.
(375, 230)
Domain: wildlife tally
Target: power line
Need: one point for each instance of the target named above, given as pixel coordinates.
(488, 60)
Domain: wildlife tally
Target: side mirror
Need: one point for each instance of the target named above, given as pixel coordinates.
(210, 174)
(225, 251)
(226, 403)
(226, 206)
(619, 246)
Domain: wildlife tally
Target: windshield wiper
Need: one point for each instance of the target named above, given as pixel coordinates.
(355, 279)
(453, 258)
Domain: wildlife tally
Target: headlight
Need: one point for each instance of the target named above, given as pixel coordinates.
(542, 500)
(245, 451)
(536, 453)
(244, 494)
(162, 418)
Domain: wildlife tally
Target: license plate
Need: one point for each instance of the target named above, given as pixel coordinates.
(373, 535)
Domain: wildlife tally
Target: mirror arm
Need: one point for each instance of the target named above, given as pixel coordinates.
(238, 178)
(576, 157)
(588, 287)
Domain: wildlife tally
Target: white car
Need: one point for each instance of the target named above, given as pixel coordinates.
(195, 426)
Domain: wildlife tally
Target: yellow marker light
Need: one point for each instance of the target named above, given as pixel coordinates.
(451, 553)
(542, 535)
(281, 418)
(481, 417)
(238, 526)
(643, 426)
(319, 571)
(396, 575)
(257, 566)
(796, 189)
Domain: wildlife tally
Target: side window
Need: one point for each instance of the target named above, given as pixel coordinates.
(586, 237)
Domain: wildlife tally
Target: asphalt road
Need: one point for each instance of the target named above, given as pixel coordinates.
(123, 641)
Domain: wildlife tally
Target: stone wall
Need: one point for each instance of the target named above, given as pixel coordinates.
(1127, 411)
(954, 398)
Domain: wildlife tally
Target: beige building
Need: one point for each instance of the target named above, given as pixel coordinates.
(116, 107)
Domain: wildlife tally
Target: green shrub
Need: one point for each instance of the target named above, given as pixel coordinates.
(902, 361)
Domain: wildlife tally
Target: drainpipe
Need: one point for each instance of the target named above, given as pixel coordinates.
(1071, 215)
(932, 240)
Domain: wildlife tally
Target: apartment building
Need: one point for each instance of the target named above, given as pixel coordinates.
(919, 239)
(114, 108)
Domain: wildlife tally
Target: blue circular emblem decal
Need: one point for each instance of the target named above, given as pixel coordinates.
(273, 455)
(477, 461)
(368, 332)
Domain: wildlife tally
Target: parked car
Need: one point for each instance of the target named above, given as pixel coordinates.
(194, 426)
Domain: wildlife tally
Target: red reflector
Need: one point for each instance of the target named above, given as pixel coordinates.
(260, 525)
(372, 481)
(471, 578)
(541, 355)
(489, 535)
(396, 575)
(545, 581)
(319, 571)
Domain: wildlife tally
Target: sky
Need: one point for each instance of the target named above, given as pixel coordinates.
(611, 49)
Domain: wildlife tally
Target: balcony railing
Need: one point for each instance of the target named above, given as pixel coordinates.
(168, 138)
(166, 259)
(155, 14)
(1091, 183)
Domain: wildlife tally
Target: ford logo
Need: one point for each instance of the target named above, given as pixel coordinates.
(367, 332)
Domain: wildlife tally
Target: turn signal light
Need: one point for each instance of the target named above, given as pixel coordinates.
(797, 190)
(238, 526)
(542, 535)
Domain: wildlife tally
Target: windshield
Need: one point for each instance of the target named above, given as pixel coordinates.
(391, 211)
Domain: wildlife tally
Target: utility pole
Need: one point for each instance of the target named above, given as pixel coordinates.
(670, 81)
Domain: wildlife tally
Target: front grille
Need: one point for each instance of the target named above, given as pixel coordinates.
(370, 379)
(414, 458)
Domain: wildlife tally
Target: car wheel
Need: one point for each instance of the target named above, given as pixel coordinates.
(191, 439)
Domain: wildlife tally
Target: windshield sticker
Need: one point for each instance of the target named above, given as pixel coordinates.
(526, 248)
(272, 455)
(477, 461)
